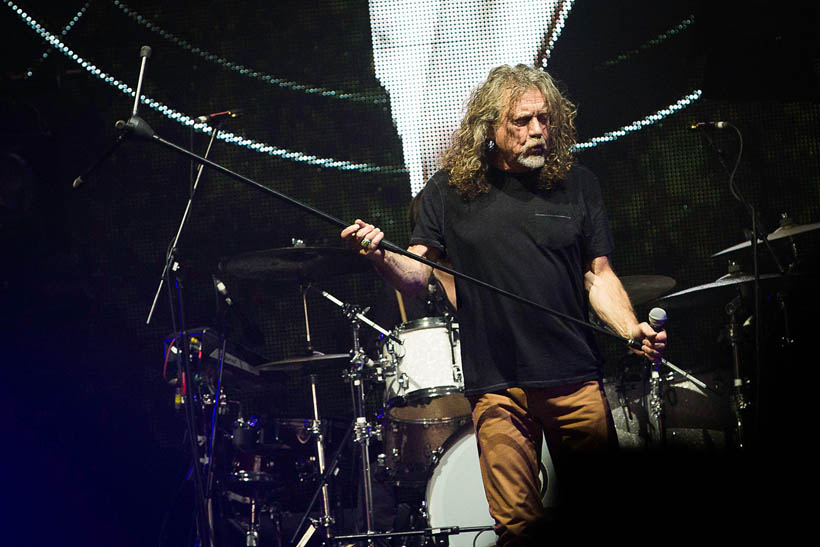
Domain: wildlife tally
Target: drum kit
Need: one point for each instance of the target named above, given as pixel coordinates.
(258, 468)
(654, 408)
(423, 431)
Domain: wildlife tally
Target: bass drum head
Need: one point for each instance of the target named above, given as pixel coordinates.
(455, 493)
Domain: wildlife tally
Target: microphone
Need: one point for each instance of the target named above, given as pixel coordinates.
(715, 125)
(657, 319)
(223, 290)
(253, 334)
(232, 113)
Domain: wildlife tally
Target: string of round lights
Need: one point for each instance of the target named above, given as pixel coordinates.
(683, 25)
(275, 151)
(610, 136)
(544, 55)
(183, 119)
(63, 33)
(374, 97)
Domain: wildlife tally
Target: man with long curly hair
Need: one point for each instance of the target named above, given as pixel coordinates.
(510, 207)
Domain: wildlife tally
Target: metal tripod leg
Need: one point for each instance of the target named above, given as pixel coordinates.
(327, 519)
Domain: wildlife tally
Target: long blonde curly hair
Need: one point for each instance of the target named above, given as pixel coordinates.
(466, 159)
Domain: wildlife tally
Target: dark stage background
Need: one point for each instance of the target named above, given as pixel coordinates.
(93, 447)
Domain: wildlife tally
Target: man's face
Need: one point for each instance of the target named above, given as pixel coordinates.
(522, 134)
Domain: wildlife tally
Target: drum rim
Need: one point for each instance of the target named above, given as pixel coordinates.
(428, 421)
(425, 393)
(425, 323)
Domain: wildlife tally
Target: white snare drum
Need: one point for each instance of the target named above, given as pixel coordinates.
(455, 494)
(426, 365)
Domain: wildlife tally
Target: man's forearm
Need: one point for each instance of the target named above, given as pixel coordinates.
(610, 301)
(403, 273)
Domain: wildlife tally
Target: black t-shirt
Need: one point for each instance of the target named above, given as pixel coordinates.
(532, 243)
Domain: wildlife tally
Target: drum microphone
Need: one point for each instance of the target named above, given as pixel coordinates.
(254, 335)
(715, 125)
(232, 113)
(223, 290)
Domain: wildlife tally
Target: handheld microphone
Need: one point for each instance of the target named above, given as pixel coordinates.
(715, 125)
(232, 113)
(657, 319)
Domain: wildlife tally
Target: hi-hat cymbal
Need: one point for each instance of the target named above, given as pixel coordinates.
(715, 291)
(294, 264)
(782, 232)
(643, 288)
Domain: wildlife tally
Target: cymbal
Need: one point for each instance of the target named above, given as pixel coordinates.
(304, 363)
(643, 288)
(294, 264)
(782, 232)
(712, 292)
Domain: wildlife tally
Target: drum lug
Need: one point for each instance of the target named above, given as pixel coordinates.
(435, 456)
(457, 377)
(404, 381)
(387, 365)
(423, 511)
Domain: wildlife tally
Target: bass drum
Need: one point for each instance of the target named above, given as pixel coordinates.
(696, 420)
(455, 494)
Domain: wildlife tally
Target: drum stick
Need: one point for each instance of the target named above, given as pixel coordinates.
(403, 313)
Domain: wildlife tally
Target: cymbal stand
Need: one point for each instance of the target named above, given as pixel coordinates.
(326, 519)
(329, 471)
(739, 403)
(356, 376)
(363, 429)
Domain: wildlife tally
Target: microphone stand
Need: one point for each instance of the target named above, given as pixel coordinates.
(137, 127)
(172, 248)
(142, 130)
(190, 394)
(759, 233)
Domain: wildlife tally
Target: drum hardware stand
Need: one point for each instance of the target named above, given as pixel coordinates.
(758, 233)
(356, 377)
(326, 520)
(331, 470)
(739, 404)
(434, 536)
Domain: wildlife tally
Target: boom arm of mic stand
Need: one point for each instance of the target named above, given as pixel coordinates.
(141, 129)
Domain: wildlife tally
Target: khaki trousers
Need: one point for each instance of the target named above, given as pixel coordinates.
(574, 419)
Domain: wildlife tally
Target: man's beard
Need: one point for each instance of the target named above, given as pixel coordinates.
(529, 160)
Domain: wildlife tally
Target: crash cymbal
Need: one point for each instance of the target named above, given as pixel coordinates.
(307, 363)
(782, 232)
(294, 264)
(643, 288)
(717, 291)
